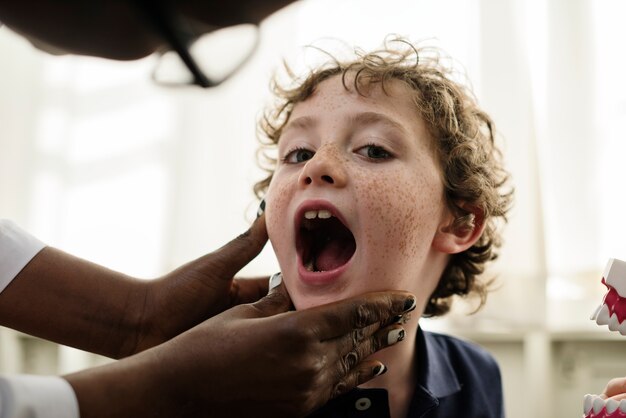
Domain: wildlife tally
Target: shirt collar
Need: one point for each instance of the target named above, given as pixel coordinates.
(436, 377)
(435, 373)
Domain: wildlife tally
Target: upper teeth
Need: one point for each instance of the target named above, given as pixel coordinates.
(322, 214)
(603, 316)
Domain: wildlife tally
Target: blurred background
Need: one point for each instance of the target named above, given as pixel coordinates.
(98, 161)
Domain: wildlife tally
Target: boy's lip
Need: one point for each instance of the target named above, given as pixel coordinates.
(318, 277)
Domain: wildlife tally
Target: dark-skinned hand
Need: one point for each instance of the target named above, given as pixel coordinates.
(256, 359)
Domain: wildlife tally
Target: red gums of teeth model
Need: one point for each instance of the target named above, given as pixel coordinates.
(612, 311)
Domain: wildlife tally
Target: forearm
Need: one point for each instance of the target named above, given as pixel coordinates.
(131, 387)
(71, 301)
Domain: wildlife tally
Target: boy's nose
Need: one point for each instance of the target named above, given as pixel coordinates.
(324, 169)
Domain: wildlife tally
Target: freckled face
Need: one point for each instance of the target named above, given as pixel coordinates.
(369, 160)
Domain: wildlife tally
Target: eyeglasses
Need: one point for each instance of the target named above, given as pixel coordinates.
(205, 61)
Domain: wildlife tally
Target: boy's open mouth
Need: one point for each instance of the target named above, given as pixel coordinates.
(323, 242)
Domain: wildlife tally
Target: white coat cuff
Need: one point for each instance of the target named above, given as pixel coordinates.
(17, 248)
(28, 396)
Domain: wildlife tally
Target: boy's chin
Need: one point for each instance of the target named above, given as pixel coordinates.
(302, 302)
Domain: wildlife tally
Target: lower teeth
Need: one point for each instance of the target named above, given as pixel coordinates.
(310, 265)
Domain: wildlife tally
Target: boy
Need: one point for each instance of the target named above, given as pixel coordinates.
(387, 177)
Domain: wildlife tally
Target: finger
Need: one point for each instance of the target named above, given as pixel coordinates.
(354, 348)
(340, 318)
(398, 319)
(277, 300)
(363, 372)
(232, 257)
(359, 345)
(619, 397)
(366, 371)
(248, 290)
(615, 387)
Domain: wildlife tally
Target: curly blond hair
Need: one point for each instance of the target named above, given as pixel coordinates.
(464, 135)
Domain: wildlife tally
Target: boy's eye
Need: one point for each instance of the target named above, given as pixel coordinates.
(298, 155)
(374, 152)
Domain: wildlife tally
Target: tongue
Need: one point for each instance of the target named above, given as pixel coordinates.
(334, 254)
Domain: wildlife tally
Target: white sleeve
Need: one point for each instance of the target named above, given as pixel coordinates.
(17, 248)
(28, 396)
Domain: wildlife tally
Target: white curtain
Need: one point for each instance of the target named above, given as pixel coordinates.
(96, 160)
(579, 107)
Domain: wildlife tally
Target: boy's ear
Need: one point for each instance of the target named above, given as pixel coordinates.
(457, 234)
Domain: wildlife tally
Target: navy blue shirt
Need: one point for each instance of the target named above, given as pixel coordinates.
(455, 378)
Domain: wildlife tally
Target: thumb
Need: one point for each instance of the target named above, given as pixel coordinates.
(232, 257)
(277, 300)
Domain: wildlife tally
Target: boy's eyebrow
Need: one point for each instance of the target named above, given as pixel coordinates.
(303, 122)
(363, 118)
(374, 118)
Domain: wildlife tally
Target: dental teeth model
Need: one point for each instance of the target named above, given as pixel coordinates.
(596, 407)
(611, 312)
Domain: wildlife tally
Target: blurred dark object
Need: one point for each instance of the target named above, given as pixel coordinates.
(119, 29)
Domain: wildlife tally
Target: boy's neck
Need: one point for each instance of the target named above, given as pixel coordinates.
(399, 380)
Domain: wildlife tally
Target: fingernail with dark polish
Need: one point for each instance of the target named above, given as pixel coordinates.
(409, 304)
(395, 335)
(261, 209)
(380, 369)
(275, 280)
